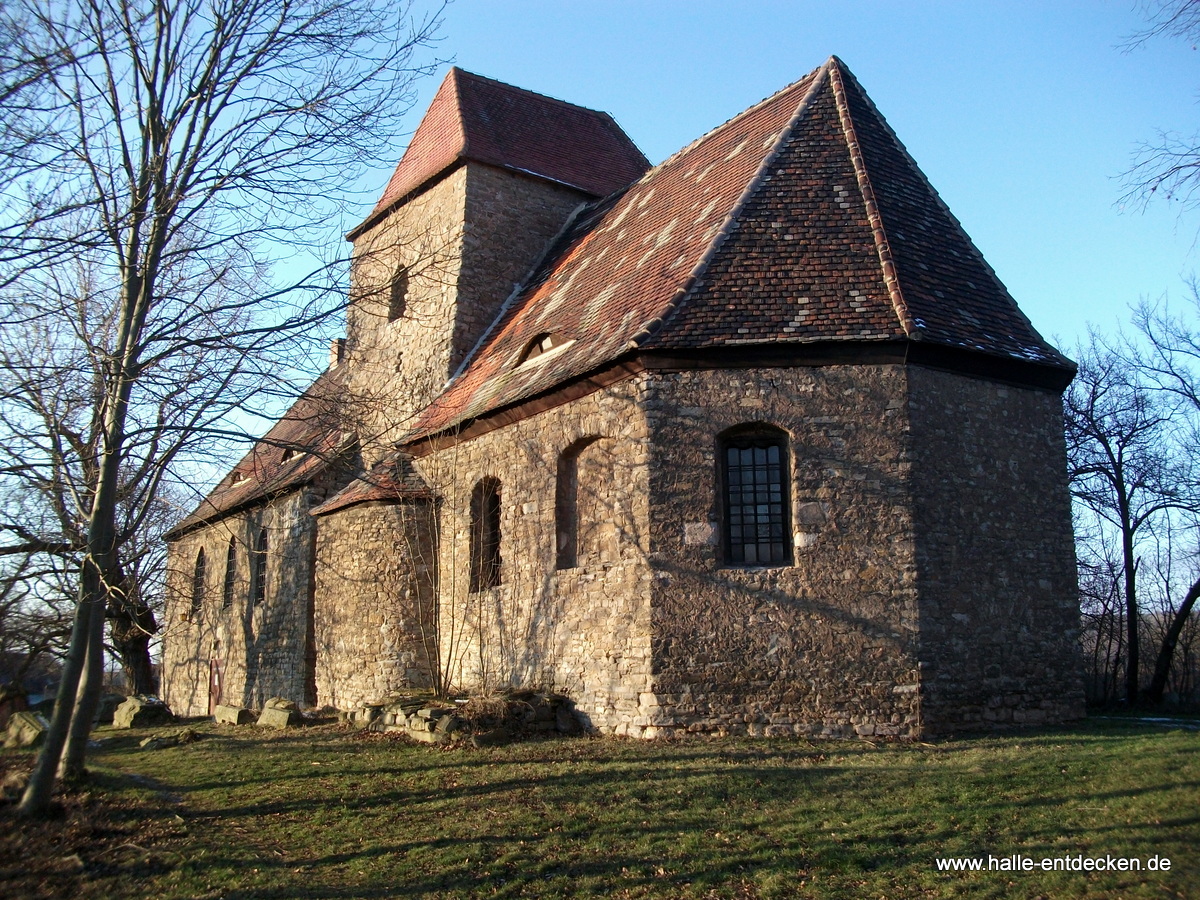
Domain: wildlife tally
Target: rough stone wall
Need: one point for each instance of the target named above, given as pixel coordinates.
(374, 616)
(995, 555)
(263, 652)
(397, 366)
(828, 644)
(463, 244)
(511, 219)
(585, 630)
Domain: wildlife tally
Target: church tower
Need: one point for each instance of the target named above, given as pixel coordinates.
(490, 177)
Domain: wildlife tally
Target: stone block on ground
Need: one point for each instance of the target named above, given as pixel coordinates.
(232, 715)
(281, 703)
(25, 729)
(142, 712)
(107, 708)
(275, 717)
(159, 741)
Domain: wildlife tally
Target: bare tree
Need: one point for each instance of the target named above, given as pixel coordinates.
(165, 157)
(1169, 165)
(1123, 468)
(1172, 365)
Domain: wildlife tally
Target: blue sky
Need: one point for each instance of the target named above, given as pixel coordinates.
(1022, 114)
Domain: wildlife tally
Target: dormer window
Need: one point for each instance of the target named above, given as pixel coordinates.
(289, 453)
(236, 477)
(542, 345)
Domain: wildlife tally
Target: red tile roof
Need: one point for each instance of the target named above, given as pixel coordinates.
(476, 118)
(309, 434)
(802, 220)
(391, 478)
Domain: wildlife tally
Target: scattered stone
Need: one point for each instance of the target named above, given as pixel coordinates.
(277, 714)
(159, 741)
(14, 785)
(26, 729)
(142, 711)
(107, 708)
(12, 700)
(232, 715)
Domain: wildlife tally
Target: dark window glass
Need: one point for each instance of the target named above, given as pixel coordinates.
(258, 570)
(198, 577)
(756, 500)
(398, 294)
(230, 574)
(485, 535)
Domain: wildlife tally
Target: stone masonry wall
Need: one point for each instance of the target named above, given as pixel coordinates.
(463, 243)
(995, 555)
(374, 616)
(583, 631)
(824, 646)
(261, 652)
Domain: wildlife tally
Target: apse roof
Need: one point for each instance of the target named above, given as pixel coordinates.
(802, 220)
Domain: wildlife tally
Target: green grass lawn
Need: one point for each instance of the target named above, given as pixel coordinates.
(330, 813)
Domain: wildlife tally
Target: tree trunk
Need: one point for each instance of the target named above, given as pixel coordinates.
(1166, 652)
(87, 700)
(36, 799)
(1131, 605)
(131, 624)
(130, 632)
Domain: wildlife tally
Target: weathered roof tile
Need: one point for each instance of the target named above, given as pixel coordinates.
(487, 121)
(802, 220)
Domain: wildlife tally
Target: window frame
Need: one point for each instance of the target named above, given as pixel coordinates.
(257, 594)
(199, 587)
(230, 581)
(752, 437)
(485, 560)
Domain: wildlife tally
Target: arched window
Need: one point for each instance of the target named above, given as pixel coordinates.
(567, 507)
(258, 570)
(756, 496)
(198, 576)
(230, 574)
(485, 535)
(398, 294)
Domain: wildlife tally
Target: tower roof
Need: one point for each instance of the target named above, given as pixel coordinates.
(802, 221)
(476, 118)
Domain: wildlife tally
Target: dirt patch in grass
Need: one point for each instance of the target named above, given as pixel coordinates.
(96, 842)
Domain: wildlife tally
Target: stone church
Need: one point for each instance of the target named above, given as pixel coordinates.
(751, 441)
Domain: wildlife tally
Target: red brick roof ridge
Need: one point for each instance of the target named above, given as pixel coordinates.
(937, 198)
(911, 327)
(685, 291)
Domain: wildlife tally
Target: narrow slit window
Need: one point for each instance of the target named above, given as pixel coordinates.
(258, 570)
(398, 294)
(485, 535)
(230, 574)
(199, 574)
